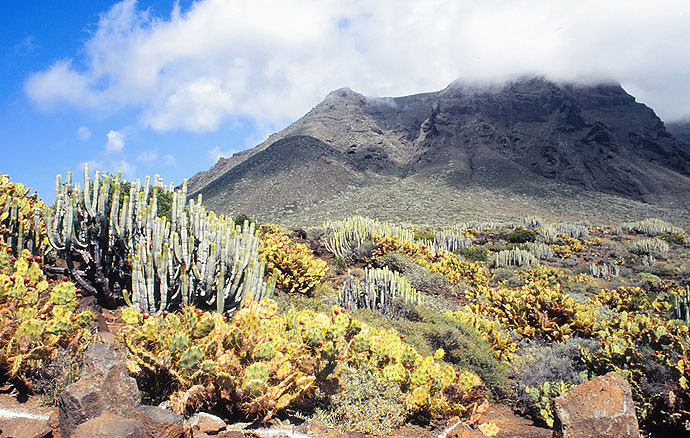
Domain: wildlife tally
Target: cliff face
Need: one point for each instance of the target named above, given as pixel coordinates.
(512, 137)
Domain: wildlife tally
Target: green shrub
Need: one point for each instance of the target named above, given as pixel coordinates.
(423, 236)
(677, 238)
(662, 269)
(474, 253)
(543, 372)
(337, 262)
(241, 218)
(366, 404)
(537, 363)
(465, 347)
(420, 278)
(522, 235)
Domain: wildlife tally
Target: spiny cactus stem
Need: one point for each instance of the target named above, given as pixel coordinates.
(85, 286)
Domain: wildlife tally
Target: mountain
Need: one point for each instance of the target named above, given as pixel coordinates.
(530, 146)
(680, 130)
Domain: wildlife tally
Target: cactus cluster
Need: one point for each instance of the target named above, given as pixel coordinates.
(629, 323)
(448, 264)
(649, 247)
(378, 290)
(577, 231)
(514, 258)
(604, 270)
(532, 222)
(539, 250)
(21, 222)
(538, 309)
(566, 245)
(447, 241)
(260, 362)
(346, 235)
(502, 343)
(682, 305)
(195, 257)
(548, 234)
(651, 227)
(632, 343)
(541, 401)
(38, 317)
(295, 267)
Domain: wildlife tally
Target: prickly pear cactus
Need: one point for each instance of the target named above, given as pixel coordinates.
(297, 270)
(260, 362)
(38, 318)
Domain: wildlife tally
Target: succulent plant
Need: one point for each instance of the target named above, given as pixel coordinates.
(130, 254)
(261, 362)
(190, 359)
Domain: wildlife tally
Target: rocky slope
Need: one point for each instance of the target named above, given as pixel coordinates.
(513, 149)
(680, 130)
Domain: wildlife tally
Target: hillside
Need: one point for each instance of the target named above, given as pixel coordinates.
(526, 147)
(680, 130)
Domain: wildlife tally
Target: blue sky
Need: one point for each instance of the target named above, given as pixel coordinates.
(167, 87)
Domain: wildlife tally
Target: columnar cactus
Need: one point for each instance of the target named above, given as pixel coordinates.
(348, 234)
(604, 270)
(377, 291)
(195, 257)
(21, 222)
(514, 257)
(682, 306)
(447, 241)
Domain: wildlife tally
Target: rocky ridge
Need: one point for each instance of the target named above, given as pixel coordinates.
(530, 138)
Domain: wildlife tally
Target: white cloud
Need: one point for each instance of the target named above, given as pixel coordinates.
(271, 61)
(169, 160)
(147, 156)
(116, 141)
(83, 133)
(217, 153)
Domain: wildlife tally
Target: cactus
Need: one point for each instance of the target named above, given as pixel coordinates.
(262, 362)
(39, 321)
(604, 270)
(378, 290)
(541, 400)
(346, 235)
(191, 359)
(539, 250)
(548, 234)
(294, 266)
(532, 222)
(652, 227)
(204, 326)
(21, 222)
(447, 241)
(255, 379)
(514, 257)
(682, 305)
(649, 247)
(195, 257)
(264, 351)
(178, 343)
(576, 231)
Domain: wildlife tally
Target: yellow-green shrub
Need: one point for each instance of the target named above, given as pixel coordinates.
(296, 267)
(37, 319)
(261, 362)
(448, 264)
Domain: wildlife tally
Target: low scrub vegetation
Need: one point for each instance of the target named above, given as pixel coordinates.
(368, 326)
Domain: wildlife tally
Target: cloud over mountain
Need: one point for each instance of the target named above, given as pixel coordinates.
(271, 61)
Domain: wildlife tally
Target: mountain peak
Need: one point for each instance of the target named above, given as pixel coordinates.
(514, 137)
